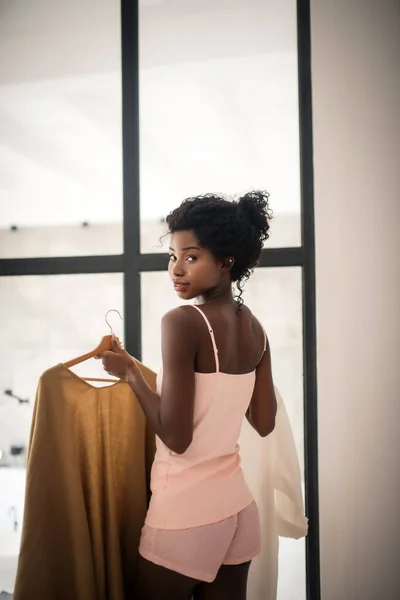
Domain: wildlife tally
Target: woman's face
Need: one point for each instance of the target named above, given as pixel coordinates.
(194, 270)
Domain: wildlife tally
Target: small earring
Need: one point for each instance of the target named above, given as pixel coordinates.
(228, 264)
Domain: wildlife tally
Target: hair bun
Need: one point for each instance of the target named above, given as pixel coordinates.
(254, 206)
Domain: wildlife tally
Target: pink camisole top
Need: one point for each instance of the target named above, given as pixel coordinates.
(205, 484)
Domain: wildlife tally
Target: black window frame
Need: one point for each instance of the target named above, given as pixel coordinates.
(132, 262)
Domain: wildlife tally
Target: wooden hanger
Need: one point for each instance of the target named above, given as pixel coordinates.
(104, 345)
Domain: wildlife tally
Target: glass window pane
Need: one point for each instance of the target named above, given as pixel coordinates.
(60, 115)
(219, 107)
(275, 297)
(47, 320)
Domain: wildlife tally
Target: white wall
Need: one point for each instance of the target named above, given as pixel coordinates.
(356, 97)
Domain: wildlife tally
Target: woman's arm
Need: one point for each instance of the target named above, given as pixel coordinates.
(171, 415)
(262, 410)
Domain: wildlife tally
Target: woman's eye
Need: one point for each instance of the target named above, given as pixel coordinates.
(172, 257)
(191, 258)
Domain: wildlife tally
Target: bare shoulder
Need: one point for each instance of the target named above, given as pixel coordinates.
(179, 335)
(246, 310)
(256, 323)
(181, 317)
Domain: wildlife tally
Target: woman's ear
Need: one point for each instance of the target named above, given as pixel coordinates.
(228, 263)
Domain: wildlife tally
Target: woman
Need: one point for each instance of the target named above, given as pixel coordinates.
(202, 528)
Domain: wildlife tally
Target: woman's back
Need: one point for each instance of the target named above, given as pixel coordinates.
(205, 484)
(239, 339)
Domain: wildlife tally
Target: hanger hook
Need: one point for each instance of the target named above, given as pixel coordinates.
(107, 321)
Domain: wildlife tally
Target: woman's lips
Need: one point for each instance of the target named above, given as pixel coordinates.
(180, 285)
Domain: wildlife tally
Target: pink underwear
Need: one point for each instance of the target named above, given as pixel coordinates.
(199, 552)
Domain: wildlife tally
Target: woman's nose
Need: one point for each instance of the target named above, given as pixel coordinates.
(178, 269)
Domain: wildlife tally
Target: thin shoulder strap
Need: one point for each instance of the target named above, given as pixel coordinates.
(211, 332)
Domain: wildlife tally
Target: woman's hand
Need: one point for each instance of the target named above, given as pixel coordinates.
(118, 363)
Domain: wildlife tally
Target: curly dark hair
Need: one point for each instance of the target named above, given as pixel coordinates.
(228, 228)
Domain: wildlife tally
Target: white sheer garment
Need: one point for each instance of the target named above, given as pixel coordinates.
(272, 470)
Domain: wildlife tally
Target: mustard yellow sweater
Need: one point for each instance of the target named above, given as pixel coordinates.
(87, 490)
